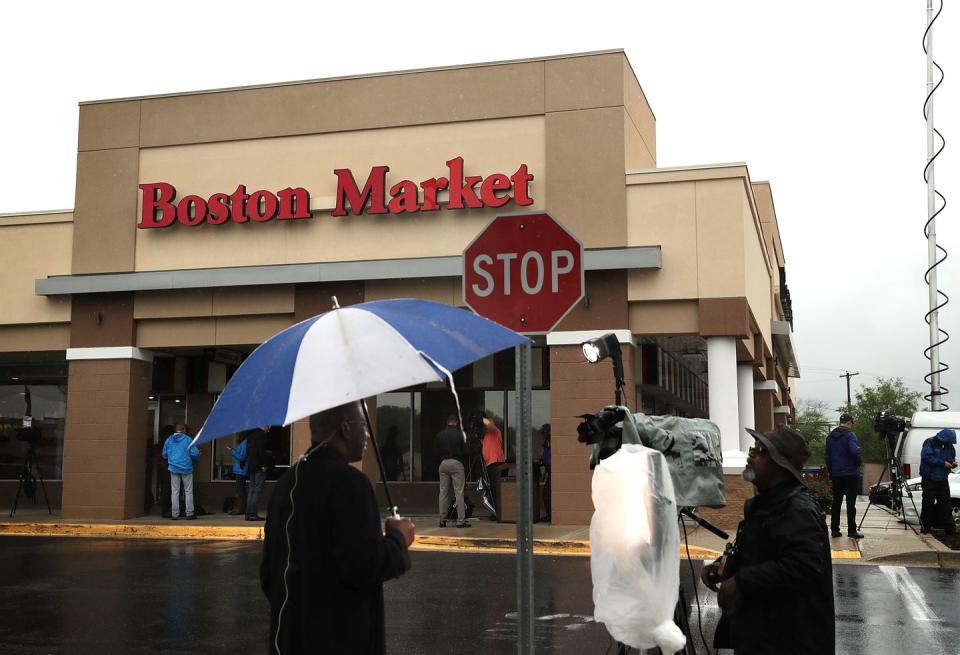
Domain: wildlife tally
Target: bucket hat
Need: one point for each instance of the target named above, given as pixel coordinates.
(786, 447)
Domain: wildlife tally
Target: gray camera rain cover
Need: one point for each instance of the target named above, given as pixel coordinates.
(692, 449)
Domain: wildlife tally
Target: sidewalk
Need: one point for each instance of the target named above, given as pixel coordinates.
(885, 539)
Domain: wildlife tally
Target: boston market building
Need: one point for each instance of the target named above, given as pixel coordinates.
(205, 222)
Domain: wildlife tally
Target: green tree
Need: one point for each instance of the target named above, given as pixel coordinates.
(889, 393)
(813, 424)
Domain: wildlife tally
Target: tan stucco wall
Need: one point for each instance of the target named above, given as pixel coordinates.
(228, 301)
(34, 246)
(414, 153)
(759, 279)
(712, 245)
(447, 290)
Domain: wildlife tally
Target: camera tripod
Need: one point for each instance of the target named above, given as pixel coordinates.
(892, 442)
(27, 480)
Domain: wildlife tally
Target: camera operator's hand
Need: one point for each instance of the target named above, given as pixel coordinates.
(950, 464)
(710, 575)
(403, 526)
(727, 596)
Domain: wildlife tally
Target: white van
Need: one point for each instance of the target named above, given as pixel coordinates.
(924, 425)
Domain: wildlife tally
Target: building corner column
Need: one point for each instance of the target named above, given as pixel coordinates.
(745, 403)
(724, 406)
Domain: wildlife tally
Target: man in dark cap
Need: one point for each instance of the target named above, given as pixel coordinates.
(937, 458)
(775, 588)
(841, 454)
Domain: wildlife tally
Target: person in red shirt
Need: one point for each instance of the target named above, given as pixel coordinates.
(493, 459)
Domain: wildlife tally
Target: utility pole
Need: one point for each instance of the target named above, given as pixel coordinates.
(848, 375)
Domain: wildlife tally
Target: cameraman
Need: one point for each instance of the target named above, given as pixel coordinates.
(775, 589)
(493, 458)
(842, 458)
(937, 458)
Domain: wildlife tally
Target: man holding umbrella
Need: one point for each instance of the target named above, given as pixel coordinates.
(325, 558)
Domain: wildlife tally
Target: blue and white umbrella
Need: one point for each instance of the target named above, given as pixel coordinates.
(348, 354)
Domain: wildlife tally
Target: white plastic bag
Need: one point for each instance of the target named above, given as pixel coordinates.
(635, 549)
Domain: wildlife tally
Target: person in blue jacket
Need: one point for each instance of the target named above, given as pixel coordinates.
(241, 472)
(938, 458)
(180, 456)
(842, 457)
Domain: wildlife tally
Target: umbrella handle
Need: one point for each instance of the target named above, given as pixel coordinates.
(383, 475)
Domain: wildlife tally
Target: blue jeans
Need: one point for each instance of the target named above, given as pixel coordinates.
(253, 496)
(241, 482)
(175, 480)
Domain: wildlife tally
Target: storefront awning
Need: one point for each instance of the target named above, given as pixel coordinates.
(379, 269)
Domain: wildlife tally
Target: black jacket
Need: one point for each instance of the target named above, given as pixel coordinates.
(784, 577)
(448, 444)
(256, 446)
(339, 560)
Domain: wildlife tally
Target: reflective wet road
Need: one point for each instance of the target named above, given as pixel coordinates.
(78, 596)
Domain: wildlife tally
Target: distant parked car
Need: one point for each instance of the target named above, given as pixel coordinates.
(880, 494)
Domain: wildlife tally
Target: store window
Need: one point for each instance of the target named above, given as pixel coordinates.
(32, 416)
(408, 421)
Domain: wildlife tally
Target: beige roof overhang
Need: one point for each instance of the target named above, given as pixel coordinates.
(782, 334)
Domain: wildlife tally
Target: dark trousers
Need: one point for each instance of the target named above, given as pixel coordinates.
(241, 482)
(935, 508)
(493, 473)
(547, 492)
(844, 486)
(253, 495)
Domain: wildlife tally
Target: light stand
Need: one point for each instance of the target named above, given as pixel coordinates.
(601, 348)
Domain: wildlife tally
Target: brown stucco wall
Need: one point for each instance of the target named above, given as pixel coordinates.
(105, 447)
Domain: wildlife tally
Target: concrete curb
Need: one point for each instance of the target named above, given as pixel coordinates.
(131, 531)
(540, 546)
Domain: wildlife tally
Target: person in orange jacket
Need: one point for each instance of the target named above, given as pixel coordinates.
(493, 459)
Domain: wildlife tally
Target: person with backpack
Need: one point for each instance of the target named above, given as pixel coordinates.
(842, 458)
(180, 456)
(938, 458)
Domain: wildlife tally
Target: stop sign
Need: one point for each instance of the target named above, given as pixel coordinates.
(524, 271)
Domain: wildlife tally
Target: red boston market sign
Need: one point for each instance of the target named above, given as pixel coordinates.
(160, 207)
(524, 271)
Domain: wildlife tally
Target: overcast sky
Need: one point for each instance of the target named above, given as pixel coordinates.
(823, 98)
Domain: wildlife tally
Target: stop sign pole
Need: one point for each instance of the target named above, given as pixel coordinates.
(524, 271)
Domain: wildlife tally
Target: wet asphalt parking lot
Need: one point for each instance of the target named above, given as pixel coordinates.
(76, 596)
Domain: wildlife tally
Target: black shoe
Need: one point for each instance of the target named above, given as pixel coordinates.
(463, 525)
(836, 533)
(855, 535)
(254, 517)
(192, 518)
(443, 523)
(174, 518)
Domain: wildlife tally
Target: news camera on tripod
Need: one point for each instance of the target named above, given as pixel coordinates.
(29, 469)
(648, 472)
(892, 430)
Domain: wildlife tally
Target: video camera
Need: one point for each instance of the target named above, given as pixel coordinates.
(886, 423)
(602, 428)
(474, 427)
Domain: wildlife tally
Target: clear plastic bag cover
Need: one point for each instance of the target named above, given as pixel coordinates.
(635, 549)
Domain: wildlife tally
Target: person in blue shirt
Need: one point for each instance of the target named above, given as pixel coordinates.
(241, 472)
(842, 457)
(938, 458)
(180, 456)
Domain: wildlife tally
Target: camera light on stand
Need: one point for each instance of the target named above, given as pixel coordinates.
(601, 348)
